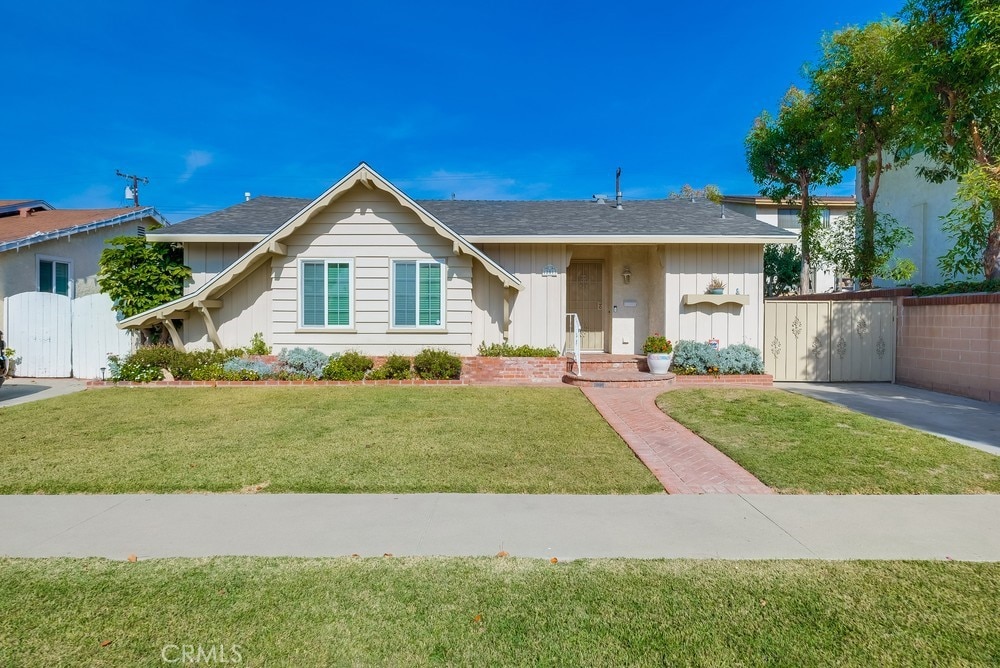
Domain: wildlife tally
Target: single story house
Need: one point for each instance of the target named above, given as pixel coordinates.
(363, 266)
(44, 249)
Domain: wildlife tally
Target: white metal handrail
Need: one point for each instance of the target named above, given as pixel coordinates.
(576, 342)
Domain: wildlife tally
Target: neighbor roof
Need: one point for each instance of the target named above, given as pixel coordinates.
(483, 220)
(17, 231)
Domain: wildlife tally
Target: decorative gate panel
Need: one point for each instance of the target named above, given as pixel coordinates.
(840, 341)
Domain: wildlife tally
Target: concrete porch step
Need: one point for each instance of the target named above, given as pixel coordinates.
(620, 378)
(607, 362)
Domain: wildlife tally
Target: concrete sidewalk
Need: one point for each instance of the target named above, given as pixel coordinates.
(22, 390)
(567, 527)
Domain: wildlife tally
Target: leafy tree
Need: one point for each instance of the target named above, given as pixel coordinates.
(949, 60)
(859, 96)
(970, 224)
(709, 192)
(782, 266)
(840, 246)
(138, 275)
(787, 156)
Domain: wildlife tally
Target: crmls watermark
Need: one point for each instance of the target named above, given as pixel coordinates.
(201, 654)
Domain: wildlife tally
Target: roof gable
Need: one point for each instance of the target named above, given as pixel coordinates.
(273, 243)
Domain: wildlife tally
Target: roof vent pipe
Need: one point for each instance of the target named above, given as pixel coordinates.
(246, 197)
(618, 189)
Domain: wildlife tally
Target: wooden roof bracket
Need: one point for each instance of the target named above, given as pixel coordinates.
(213, 333)
(175, 338)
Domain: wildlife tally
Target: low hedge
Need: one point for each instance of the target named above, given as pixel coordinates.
(507, 350)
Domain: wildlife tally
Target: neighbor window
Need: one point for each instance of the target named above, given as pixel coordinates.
(788, 218)
(54, 276)
(325, 292)
(417, 288)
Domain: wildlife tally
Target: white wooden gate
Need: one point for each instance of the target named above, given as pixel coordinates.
(830, 340)
(56, 337)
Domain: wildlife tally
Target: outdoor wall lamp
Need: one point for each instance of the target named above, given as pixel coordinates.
(627, 275)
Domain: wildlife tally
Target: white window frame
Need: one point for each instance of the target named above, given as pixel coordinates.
(300, 291)
(444, 294)
(52, 258)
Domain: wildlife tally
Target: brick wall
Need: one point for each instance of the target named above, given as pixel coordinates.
(950, 343)
(513, 369)
(757, 380)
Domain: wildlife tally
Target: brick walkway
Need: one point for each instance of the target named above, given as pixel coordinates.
(683, 462)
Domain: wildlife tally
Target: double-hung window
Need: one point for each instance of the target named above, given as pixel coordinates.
(54, 275)
(788, 218)
(326, 293)
(418, 293)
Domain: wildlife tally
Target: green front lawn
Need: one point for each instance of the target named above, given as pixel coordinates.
(329, 439)
(498, 612)
(796, 444)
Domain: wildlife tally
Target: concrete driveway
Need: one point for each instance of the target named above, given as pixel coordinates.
(974, 423)
(22, 390)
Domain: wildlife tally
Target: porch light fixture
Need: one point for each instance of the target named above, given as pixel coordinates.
(627, 275)
(549, 271)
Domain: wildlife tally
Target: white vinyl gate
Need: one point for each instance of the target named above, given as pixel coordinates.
(830, 340)
(58, 337)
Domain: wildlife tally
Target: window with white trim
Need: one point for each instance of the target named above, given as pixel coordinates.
(418, 293)
(54, 275)
(326, 293)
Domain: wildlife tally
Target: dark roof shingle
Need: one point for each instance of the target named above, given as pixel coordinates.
(477, 218)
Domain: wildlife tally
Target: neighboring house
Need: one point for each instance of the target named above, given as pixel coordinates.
(365, 267)
(919, 205)
(786, 216)
(44, 249)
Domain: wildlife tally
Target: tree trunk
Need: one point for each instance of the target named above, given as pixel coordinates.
(805, 236)
(866, 250)
(991, 256)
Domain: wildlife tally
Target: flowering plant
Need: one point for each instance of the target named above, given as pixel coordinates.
(657, 344)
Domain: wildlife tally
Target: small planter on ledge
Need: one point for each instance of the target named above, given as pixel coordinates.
(659, 354)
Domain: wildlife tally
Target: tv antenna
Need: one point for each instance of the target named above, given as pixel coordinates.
(132, 192)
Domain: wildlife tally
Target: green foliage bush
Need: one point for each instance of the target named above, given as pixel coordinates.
(431, 364)
(694, 358)
(506, 350)
(303, 362)
(396, 367)
(960, 287)
(740, 358)
(351, 365)
(181, 364)
(258, 346)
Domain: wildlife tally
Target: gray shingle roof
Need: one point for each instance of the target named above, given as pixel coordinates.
(477, 218)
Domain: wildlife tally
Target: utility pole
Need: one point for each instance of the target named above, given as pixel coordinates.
(136, 180)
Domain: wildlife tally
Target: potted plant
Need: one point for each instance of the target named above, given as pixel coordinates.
(715, 286)
(659, 353)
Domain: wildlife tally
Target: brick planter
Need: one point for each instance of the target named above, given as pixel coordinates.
(757, 380)
(517, 370)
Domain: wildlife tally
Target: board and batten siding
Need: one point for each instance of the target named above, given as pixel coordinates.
(537, 311)
(208, 259)
(689, 268)
(371, 230)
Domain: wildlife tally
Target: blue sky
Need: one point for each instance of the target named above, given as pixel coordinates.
(485, 100)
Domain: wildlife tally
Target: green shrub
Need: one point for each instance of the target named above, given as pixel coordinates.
(258, 346)
(740, 358)
(506, 350)
(181, 364)
(302, 363)
(990, 285)
(396, 367)
(431, 364)
(694, 358)
(351, 365)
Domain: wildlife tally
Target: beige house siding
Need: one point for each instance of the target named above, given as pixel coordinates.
(208, 259)
(19, 268)
(688, 269)
(370, 229)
